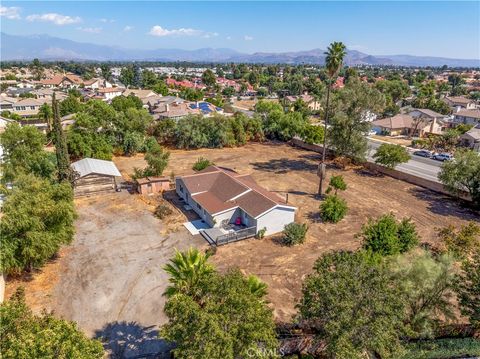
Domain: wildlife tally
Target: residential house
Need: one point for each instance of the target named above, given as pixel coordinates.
(174, 111)
(7, 102)
(407, 125)
(434, 122)
(28, 106)
(309, 100)
(471, 138)
(65, 80)
(140, 93)
(460, 102)
(470, 117)
(109, 93)
(3, 124)
(227, 201)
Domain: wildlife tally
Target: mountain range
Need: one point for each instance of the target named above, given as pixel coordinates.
(45, 47)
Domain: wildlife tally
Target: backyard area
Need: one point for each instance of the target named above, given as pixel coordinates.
(283, 169)
(110, 280)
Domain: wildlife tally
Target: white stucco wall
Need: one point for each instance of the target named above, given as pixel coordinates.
(275, 220)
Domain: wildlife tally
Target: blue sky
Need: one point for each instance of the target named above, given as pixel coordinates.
(449, 29)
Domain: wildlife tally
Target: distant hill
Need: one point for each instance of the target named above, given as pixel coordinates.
(44, 47)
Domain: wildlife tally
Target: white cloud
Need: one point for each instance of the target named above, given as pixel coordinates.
(12, 13)
(91, 30)
(127, 28)
(229, 37)
(107, 20)
(159, 31)
(247, 38)
(55, 18)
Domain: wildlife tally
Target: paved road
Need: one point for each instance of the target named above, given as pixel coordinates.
(418, 166)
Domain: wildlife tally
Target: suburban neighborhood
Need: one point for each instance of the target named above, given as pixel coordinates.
(251, 203)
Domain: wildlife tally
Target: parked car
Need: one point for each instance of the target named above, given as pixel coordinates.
(423, 153)
(443, 157)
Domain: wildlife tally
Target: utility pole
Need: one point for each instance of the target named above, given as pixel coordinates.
(322, 167)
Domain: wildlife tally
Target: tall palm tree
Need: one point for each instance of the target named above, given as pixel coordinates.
(186, 269)
(333, 62)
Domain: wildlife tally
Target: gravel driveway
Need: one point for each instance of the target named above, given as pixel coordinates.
(113, 279)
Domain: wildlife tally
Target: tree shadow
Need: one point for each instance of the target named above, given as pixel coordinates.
(364, 172)
(285, 165)
(131, 340)
(314, 216)
(445, 205)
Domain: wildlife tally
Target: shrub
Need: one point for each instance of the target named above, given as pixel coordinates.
(261, 233)
(386, 236)
(201, 164)
(468, 289)
(390, 155)
(333, 209)
(162, 211)
(294, 233)
(460, 242)
(336, 183)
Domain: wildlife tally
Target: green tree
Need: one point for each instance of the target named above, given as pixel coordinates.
(313, 134)
(208, 78)
(462, 242)
(426, 284)
(256, 286)
(23, 153)
(387, 236)
(348, 125)
(127, 75)
(390, 155)
(337, 183)
(70, 105)
(106, 72)
(122, 103)
(227, 320)
(161, 88)
(26, 335)
(186, 270)
(149, 79)
(45, 113)
(333, 63)
(61, 150)
(157, 160)
(463, 173)
(294, 233)
(333, 209)
(37, 219)
(351, 303)
(468, 289)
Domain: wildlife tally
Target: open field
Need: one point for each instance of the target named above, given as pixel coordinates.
(282, 169)
(249, 104)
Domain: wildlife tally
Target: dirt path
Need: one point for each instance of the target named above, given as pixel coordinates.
(114, 271)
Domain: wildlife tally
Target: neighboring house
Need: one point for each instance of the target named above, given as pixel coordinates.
(174, 111)
(407, 125)
(66, 80)
(460, 102)
(206, 108)
(228, 201)
(471, 138)
(7, 103)
(28, 106)
(309, 100)
(109, 93)
(93, 176)
(149, 185)
(470, 117)
(427, 121)
(141, 94)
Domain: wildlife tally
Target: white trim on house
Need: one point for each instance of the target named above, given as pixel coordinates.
(240, 195)
(271, 209)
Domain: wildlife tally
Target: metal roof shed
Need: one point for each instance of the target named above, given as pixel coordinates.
(94, 176)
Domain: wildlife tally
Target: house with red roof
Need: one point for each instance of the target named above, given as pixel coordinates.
(228, 202)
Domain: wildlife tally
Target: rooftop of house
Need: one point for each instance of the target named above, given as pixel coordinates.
(110, 89)
(469, 113)
(396, 122)
(427, 112)
(473, 133)
(142, 181)
(459, 99)
(218, 189)
(140, 93)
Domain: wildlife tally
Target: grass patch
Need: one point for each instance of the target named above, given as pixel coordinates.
(443, 349)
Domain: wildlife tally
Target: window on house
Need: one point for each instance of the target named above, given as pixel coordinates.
(149, 185)
(32, 107)
(199, 207)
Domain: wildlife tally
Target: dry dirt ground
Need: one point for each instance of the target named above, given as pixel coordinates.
(282, 168)
(110, 280)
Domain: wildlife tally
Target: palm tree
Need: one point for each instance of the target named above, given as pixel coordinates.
(45, 113)
(186, 269)
(333, 62)
(256, 286)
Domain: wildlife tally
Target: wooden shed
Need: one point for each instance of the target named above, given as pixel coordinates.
(149, 185)
(94, 176)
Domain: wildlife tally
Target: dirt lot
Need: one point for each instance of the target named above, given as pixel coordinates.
(282, 168)
(249, 104)
(110, 280)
